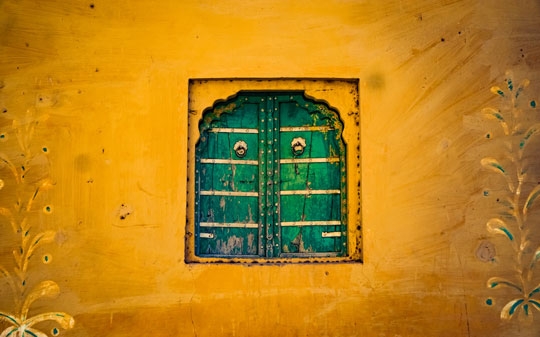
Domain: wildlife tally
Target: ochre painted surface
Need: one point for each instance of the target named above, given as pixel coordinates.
(107, 83)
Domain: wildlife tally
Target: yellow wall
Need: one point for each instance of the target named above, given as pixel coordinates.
(107, 82)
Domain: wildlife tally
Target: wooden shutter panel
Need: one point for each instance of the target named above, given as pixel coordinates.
(270, 178)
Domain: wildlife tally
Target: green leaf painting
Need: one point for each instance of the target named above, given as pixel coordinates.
(520, 126)
(18, 213)
(498, 226)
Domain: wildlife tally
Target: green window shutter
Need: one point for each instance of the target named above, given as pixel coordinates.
(270, 178)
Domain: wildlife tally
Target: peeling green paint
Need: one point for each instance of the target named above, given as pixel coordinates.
(293, 146)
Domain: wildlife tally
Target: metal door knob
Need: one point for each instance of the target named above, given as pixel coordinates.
(240, 149)
(298, 145)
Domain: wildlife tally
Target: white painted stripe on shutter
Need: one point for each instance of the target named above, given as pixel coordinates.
(305, 128)
(229, 161)
(229, 224)
(309, 192)
(331, 234)
(310, 223)
(309, 160)
(206, 235)
(230, 193)
(233, 130)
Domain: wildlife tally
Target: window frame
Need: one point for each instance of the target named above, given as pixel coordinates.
(341, 95)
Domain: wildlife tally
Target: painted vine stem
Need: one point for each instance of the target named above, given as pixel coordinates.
(18, 216)
(518, 131)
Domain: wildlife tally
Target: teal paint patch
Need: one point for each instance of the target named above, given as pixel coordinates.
(514, 307)
(535, 303)
(510, 85)
(489, 301)
(500, 92)
(30, 333)
(537, 290)
(507, 232)
(12, 331)
(486, 193)
(533, 104)
(498, 115)
(531, 199)
(529, 134)
(506, 283)
(520, 89)
(47, 258)
(499, 167)
(491, 164)
(8, 318)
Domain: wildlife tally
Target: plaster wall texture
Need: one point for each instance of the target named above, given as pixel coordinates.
(94, 99)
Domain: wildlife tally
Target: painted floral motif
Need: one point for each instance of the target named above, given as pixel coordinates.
(26, 176)
(518, 122)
